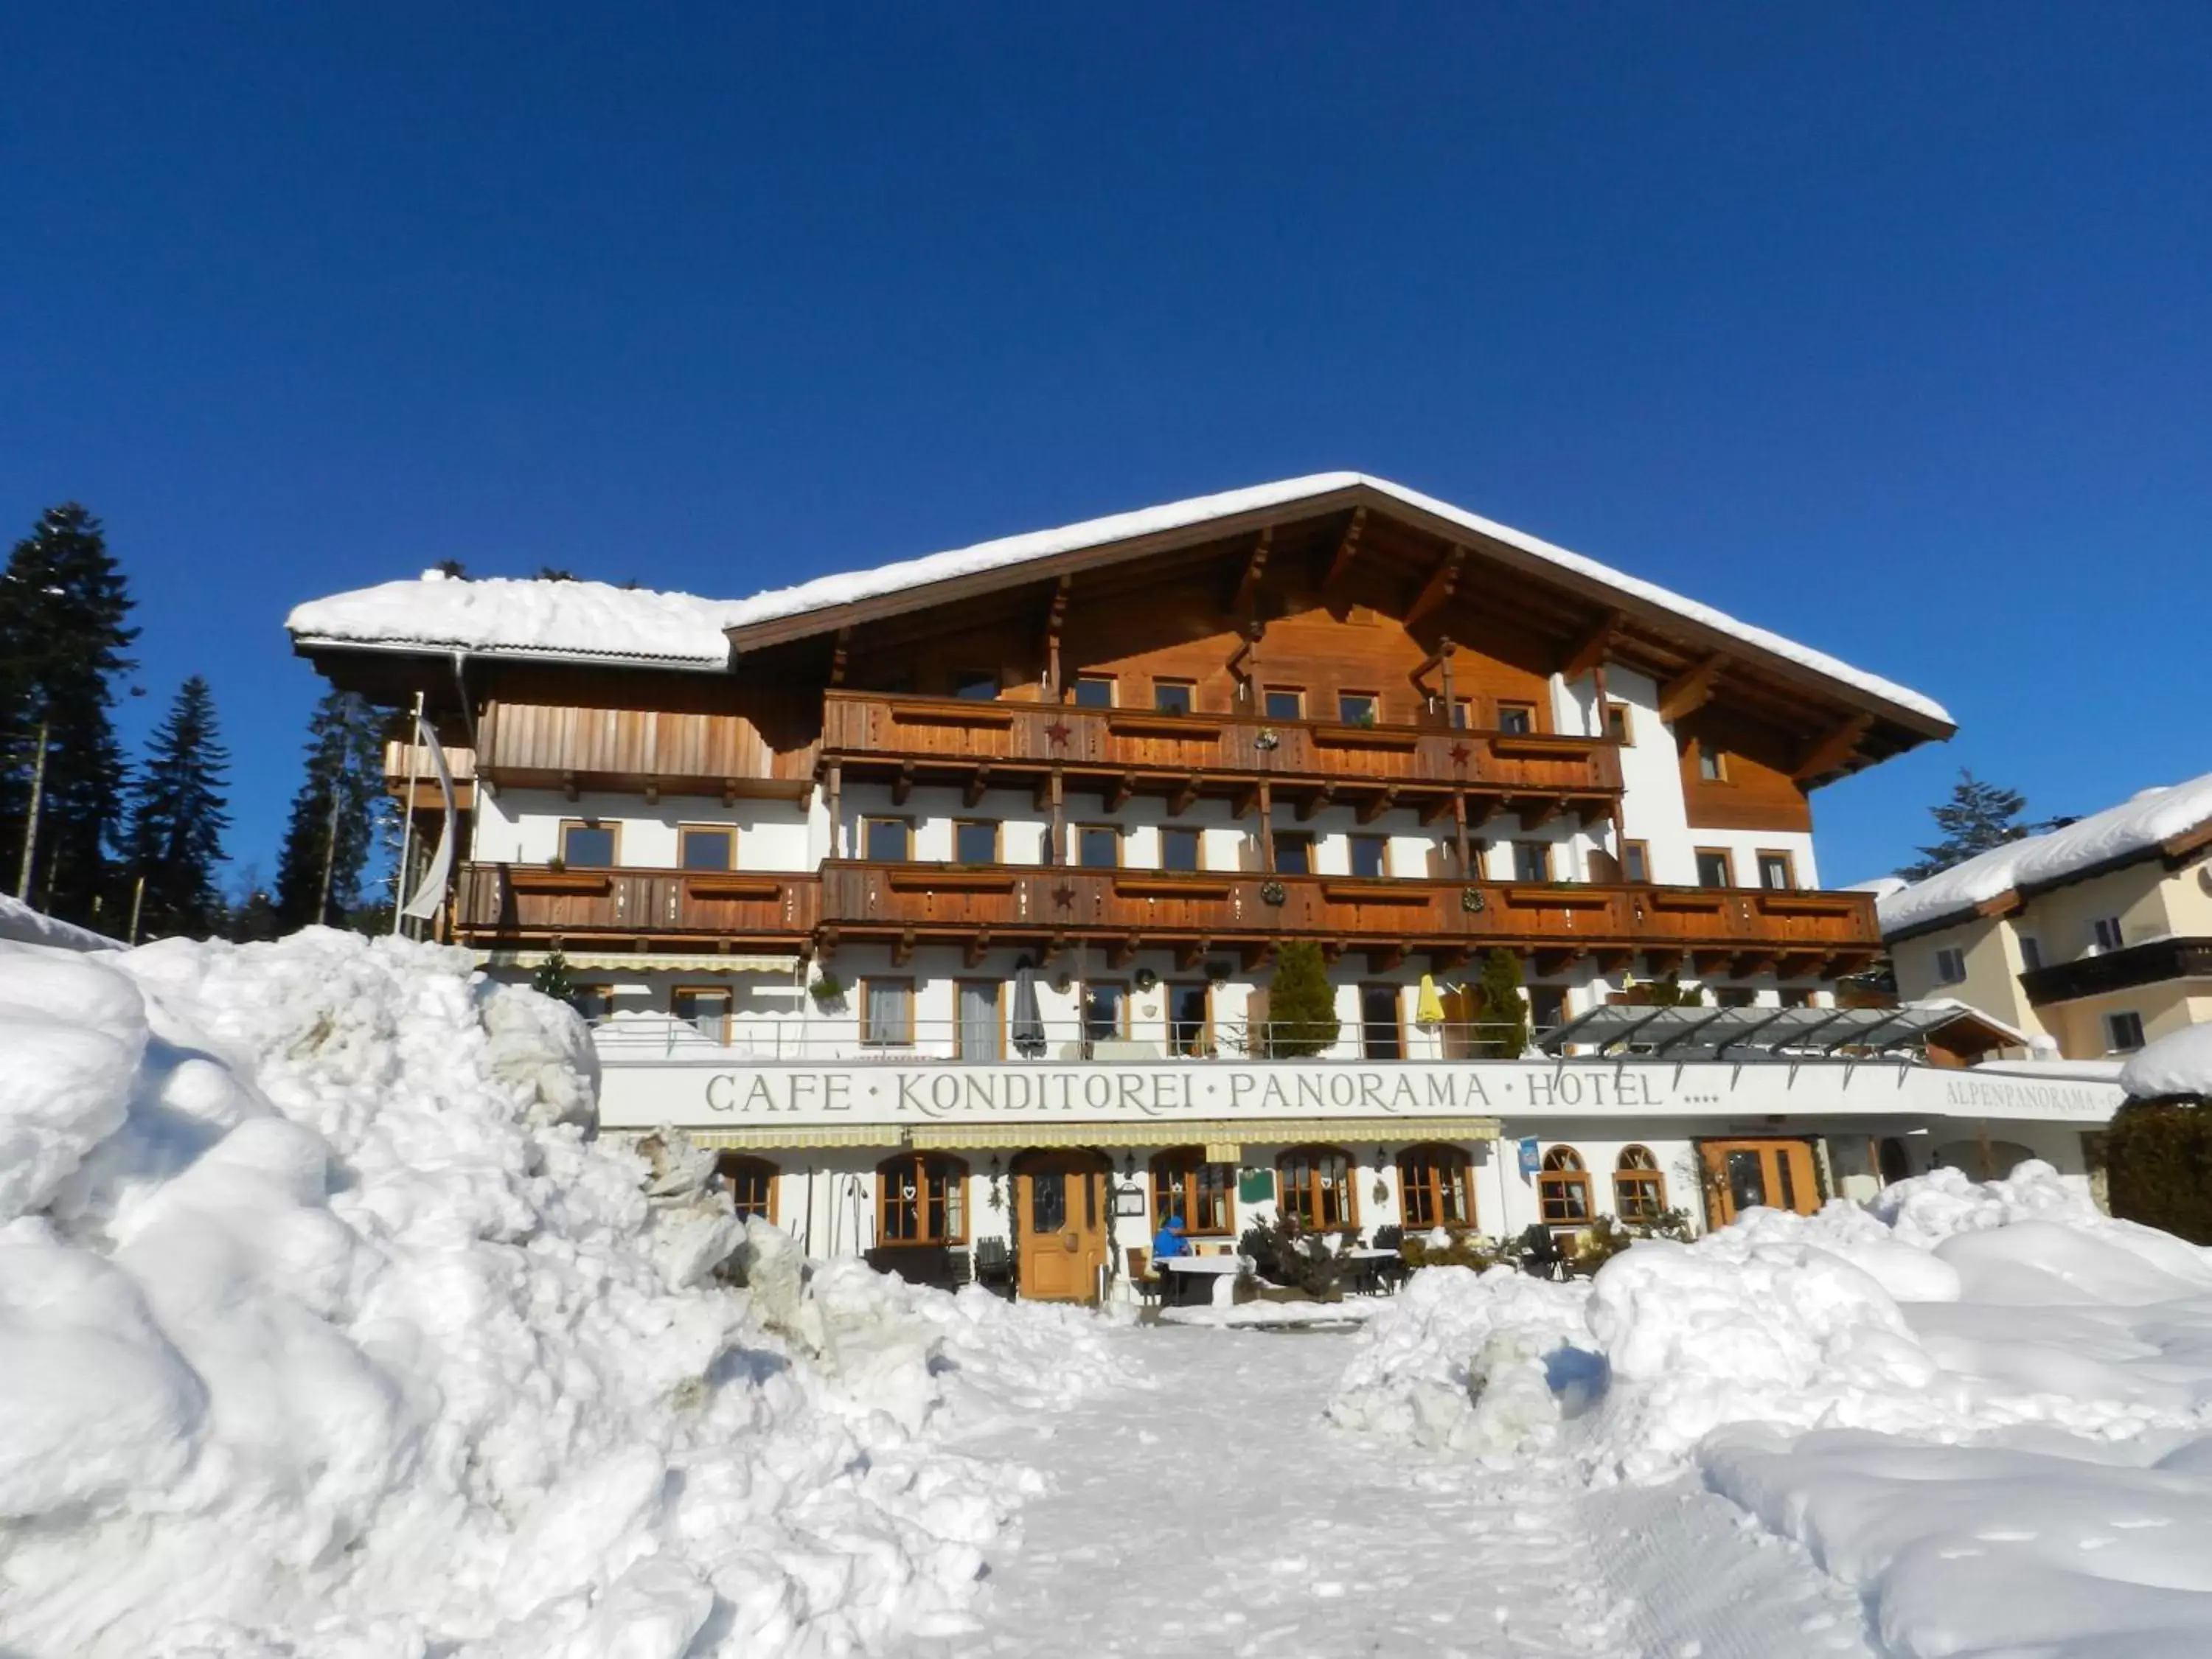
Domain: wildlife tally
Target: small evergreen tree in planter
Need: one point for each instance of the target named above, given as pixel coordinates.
(1500, 1007)
(1300, 1260)
(827, 990)
(551, 979)
(1301, 1003)
(2159, 1162)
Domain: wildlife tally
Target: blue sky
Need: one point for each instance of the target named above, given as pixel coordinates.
(1888, 327)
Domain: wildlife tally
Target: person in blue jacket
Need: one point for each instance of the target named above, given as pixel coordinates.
(1167, 1242)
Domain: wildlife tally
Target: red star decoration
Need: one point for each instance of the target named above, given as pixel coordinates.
(1460, 752)
(1057, 732)
(1063, 893)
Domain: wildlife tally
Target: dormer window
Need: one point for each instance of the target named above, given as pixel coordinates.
(1712, 763)
(1173, 696)
(1517, 719)
(975, 685)
(1094, 691)
(1356, 707)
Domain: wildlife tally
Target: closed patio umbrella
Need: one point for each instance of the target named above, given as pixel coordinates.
(1028, 1024)
(1429, 1008)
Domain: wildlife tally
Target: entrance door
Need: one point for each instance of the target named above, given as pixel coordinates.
(1744, 1175)
(1062, 1223)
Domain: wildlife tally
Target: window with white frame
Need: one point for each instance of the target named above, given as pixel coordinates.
(1950, 966)
(2124, 1031)
(2105, 930)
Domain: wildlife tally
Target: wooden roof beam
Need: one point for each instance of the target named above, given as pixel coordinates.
(1125, 951)
(838, 655)
(1385, 958)
(1828, 753)
(978, 943)
(1593, 646)
(1185, 794)
(1319, 800)
(1551, 960)
(1375, 805)
(1189, 952)
(1245, 602)
(978, 781)
(1348, 550)
(1442, 581)
(1117, 793)
(1691, 690)
(902, 785)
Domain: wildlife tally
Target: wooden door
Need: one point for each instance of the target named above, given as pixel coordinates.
(1744, 1175)
(1062, 1224)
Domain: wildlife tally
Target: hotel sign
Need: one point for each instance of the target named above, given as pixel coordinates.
(704, 1095)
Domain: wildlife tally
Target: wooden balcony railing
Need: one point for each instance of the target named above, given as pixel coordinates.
(517, 901)
(1128, 750)
(1796, 934)
(769, 751)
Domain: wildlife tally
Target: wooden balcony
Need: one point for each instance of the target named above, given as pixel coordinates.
(1309, 763)
(412, 761)
(1736, 932)
(515, 902)
(645, 750)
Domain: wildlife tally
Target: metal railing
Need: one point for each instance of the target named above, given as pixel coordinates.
(707, 1039)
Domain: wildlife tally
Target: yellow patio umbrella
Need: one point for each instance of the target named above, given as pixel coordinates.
(1429, 1008)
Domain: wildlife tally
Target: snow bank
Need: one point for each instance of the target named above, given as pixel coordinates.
(21, 923)
(2136, 826)
(326, 1330)
(1987, 1406)
(592, 619)
(2179, 1063)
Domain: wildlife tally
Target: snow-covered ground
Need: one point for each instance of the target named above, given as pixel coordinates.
(325, 1331)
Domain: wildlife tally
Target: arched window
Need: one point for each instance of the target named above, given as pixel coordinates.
(752, 1181)
(1317, 1186)
(1639, 1191)
(1563, 1188)
(921, 1198)
(1436, 1186)
(1184, 1184)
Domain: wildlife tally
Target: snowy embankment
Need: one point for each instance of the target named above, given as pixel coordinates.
(325, 1329)
(1986, 1409)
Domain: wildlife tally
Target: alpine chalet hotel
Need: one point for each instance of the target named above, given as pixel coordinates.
(946, 898)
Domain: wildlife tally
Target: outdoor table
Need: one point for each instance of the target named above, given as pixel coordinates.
(1368, 1272)
(1193, 1280)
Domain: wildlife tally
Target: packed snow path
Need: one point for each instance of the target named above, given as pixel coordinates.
(1219, 1513)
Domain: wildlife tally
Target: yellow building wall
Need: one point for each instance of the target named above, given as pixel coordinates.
(1993, 968)
(2061, 919)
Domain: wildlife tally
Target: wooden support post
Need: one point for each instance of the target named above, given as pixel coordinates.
(1057, 852)
(1451, 702)
(977, 784)
(1057, 616)
(837, 656)
(1459, 833)
(902, 785)
(835, 793)
(1266, 828)
(1185, 796)
(1604, 728)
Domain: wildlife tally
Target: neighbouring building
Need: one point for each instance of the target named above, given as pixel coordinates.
(2096, 938)
(946, 896)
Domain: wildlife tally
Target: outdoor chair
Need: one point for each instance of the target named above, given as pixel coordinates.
(1145, 1282)
(995, 1265)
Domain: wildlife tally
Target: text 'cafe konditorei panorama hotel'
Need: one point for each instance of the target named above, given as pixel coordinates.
(947, 897)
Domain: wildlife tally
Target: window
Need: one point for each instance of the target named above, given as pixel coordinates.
(1616, 722)
(980, 1033)
(1190, 1020)
(1778, 872)
(1094, 691)
(593, 1002)
(1097, 846)
(1547, 1008)
(1294, 854)
(1635, 861)
(1463, 713)
(1357, 707)
(1712, 763)
(2124, 1031)
(1173, 696)
(1184, 1184)
(1518, 719)
(1532, 860)
(1563, 1192)
(2105, 930)
(974, 841)
(1733, 996)
(1715, 867)
(921, 1198)
(1380, 1036)
(1371, 856)
(752, 1181)
(587, 845)
(976, 685)
(1950, 966)
(2030, 952)
(707, 848)
(887, 841)
(1105, 1011)
(1283, 702)
(1436, 1186)
(706, 1011)
(886, 1011)
(1795, 997)
(1178, 849)
(1639, 1191)
(1316, 1187)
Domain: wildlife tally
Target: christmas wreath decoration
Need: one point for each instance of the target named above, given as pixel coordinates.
(1471, 899)
(1274, 892)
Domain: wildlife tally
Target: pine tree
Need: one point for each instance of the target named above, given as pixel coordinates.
(1301, 1003)
(62, 603)
(177, 821)
(1500, 1007)
(334, 817)
(551, 979)
(1977, 816)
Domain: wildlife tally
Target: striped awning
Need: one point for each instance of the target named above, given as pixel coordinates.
(1212, 1133)
(642, 961)
(798, 1138)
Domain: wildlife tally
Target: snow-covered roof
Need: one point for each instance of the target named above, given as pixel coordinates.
(2137, 828)
(2179, 1063)
(592, 621)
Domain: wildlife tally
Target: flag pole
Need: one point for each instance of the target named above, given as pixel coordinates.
(406, 820)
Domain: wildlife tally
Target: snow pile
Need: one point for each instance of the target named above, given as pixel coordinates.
(592, 619)
(20, 922)
(2179, 1063)
(327, 1331)
(2136, 826)
(1987, 1408)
